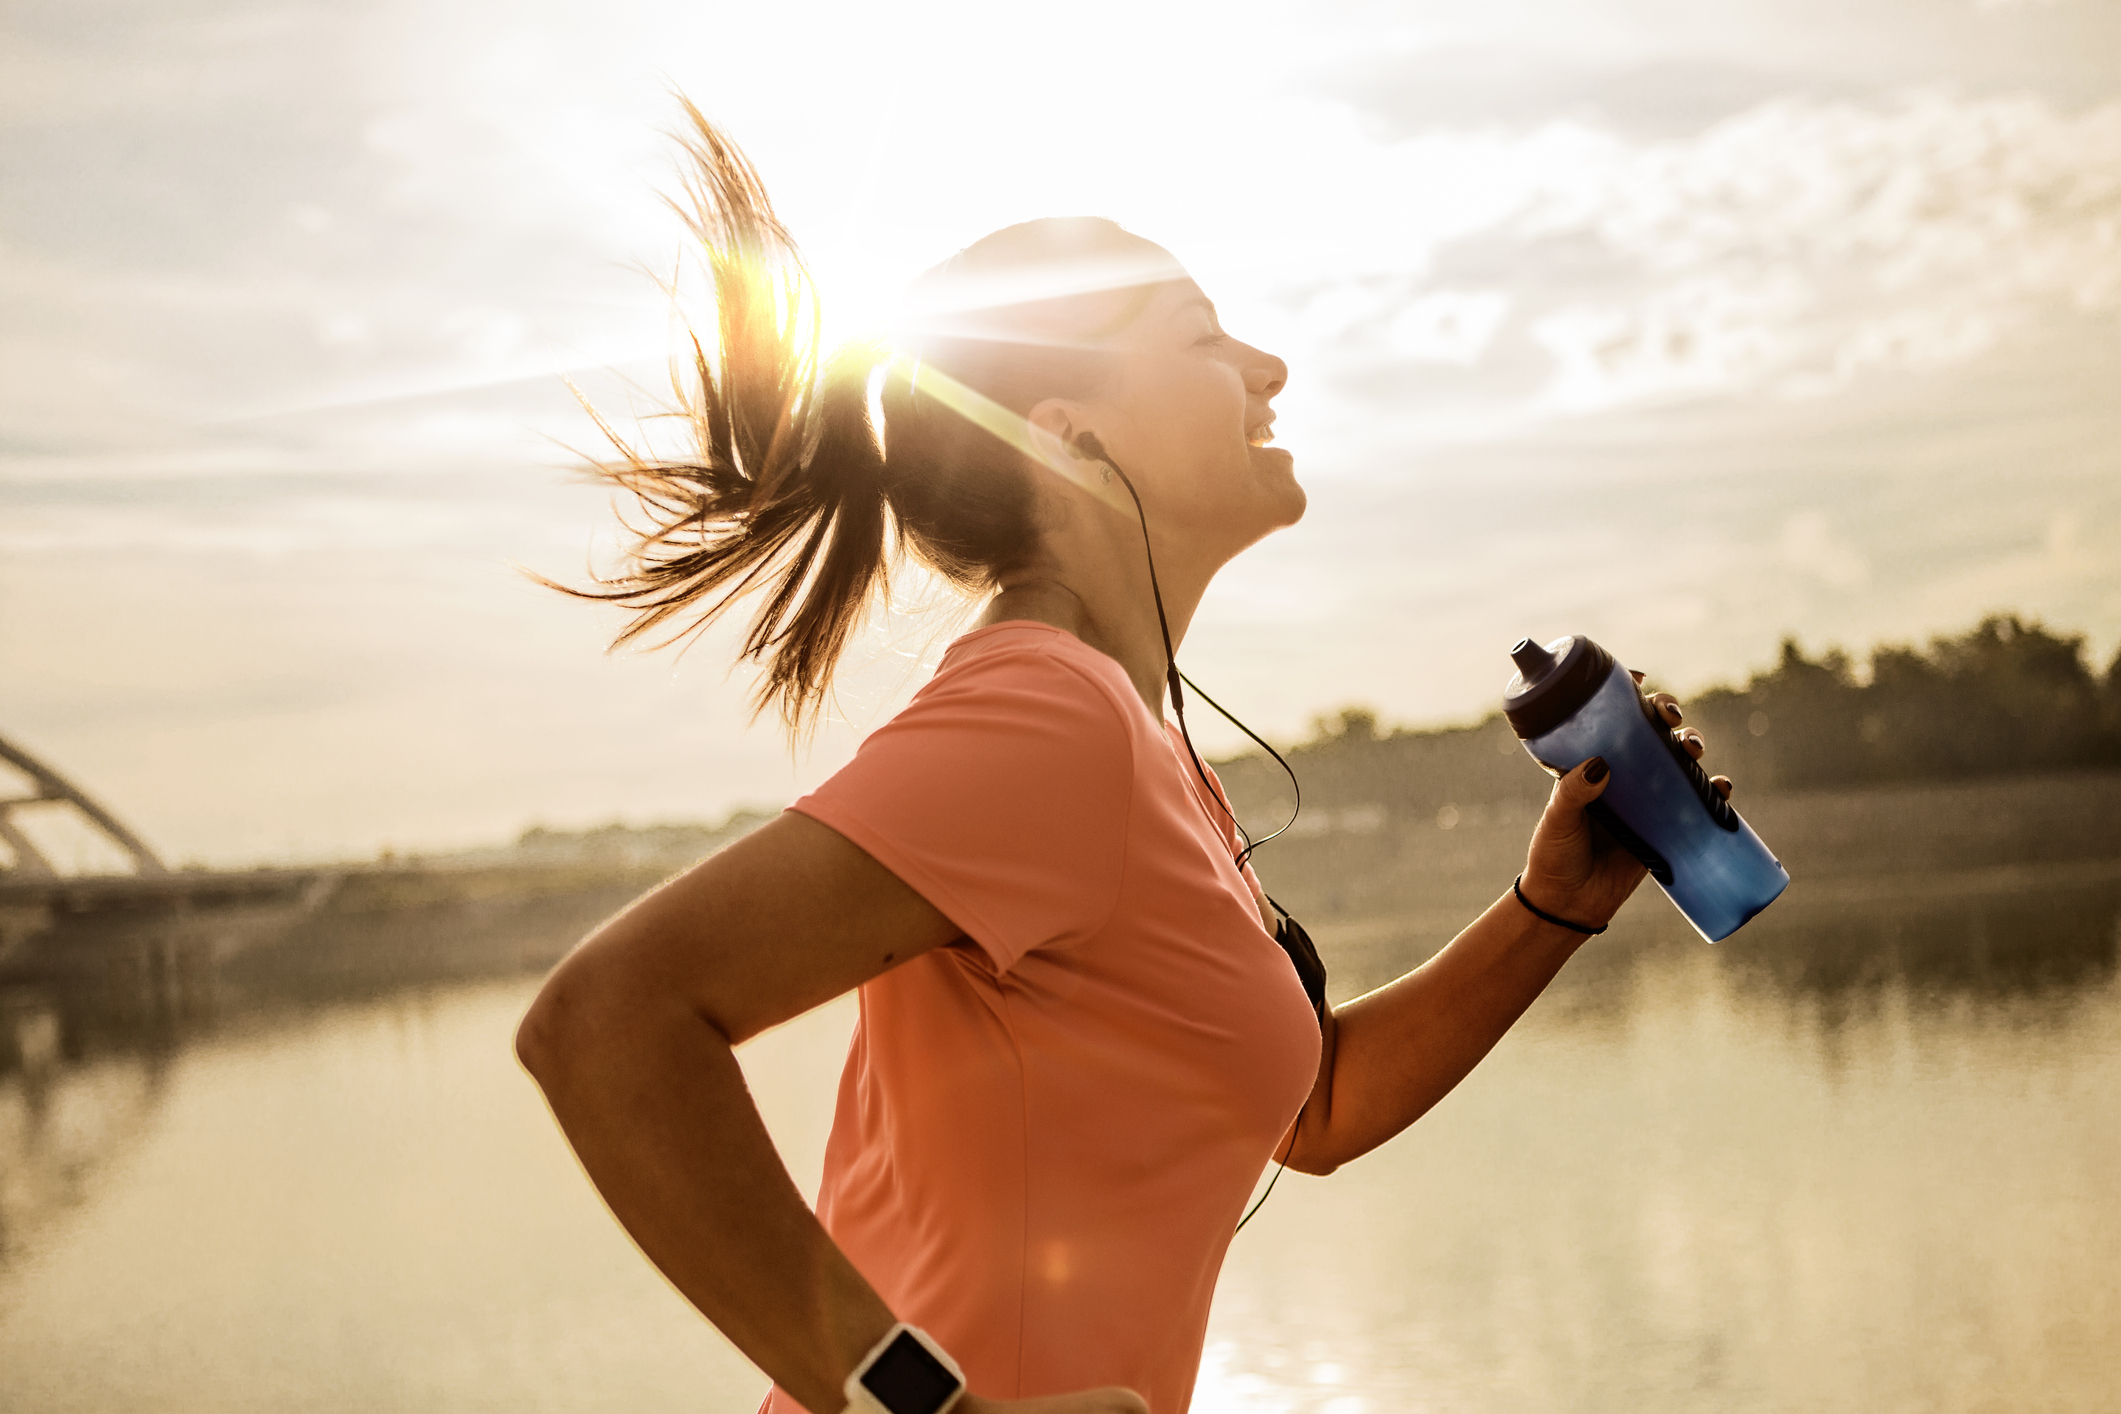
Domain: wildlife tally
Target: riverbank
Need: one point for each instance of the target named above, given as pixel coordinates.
(2001, 882)
(2007, 880)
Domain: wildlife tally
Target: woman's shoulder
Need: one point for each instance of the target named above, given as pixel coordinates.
(1027, 662)
(1003, 792)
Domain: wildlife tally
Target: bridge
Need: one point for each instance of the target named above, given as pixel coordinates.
(48, 786)
(48, 912)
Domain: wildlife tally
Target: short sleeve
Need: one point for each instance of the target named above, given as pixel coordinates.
(1001, 794)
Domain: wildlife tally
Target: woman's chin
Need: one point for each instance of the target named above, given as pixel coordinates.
(1279, 468)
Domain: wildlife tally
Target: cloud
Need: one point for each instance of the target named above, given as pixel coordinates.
(262, 207)
(1516, 86)
(246, 238)
(1791, 248)
(1448, 326)
(1703, 333)
(1923, 230)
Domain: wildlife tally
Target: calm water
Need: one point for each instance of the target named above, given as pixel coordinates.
(1687, 1181)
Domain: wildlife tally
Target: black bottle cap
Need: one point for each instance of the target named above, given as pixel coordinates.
(1551, 682)
(1532, 660)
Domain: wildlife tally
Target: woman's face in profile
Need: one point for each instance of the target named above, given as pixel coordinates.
(1188, 414)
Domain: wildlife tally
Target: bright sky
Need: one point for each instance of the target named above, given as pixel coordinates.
(1685, 326)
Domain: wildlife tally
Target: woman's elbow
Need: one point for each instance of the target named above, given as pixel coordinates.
(558, 1024)
(1313, 1161)
(598, 1009)
(1310, 1149)
(537, 1041)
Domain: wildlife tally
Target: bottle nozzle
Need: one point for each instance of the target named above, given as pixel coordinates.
(1532, 660)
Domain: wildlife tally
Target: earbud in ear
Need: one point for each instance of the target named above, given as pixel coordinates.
(1087, 445)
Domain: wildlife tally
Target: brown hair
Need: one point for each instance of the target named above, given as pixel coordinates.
(790, 491)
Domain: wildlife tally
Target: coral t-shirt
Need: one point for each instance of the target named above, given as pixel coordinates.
(1046, 1131)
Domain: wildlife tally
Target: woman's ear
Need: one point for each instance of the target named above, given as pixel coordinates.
(1056, 427)
(1054, 419)
(1049, 438)
(1057, 420)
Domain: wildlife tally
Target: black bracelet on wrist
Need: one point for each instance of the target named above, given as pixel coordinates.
(1517, 888)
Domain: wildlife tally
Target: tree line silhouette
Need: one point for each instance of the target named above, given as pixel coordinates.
(2008, 696)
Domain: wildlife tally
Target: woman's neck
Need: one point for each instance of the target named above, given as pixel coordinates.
(1105, 598)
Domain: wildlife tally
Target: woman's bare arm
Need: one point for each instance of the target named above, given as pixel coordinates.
(631, 1042)
(1390, 1055)
(1393, 1053)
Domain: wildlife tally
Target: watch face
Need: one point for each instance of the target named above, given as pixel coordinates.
(906, 1379)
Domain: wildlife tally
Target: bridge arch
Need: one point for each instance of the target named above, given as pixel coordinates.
(49, 785)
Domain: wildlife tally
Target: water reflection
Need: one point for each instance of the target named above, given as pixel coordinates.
(64, 1118)
(1861, 1156)
(1943, 946)
(1842, 1167)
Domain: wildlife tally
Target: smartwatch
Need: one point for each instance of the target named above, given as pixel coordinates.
(904, 1373)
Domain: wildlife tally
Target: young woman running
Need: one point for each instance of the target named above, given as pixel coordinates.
(1079, 1043)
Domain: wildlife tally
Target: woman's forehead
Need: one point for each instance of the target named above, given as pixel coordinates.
(973, 287)
(1086, 315)
(1173, 297)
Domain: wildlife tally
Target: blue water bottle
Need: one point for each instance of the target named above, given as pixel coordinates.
(1570, 701)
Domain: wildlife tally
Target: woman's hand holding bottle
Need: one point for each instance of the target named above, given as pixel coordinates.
(1571, 871)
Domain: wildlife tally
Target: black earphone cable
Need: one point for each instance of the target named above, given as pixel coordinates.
(1088, 444)
(1294, 784)
(1281, 1167)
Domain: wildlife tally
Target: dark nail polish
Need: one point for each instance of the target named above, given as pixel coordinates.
(1595, 772)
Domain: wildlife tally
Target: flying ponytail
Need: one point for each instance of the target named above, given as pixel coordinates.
(791, 493)
(782, 496)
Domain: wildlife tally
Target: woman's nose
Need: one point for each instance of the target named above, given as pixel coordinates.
(1265, 374)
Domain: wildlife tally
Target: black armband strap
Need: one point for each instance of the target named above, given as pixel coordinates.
(1517, 887)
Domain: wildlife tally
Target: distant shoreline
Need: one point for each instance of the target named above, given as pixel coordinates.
(1353, 865)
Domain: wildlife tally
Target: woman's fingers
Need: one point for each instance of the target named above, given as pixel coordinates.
(1562, 843)
(1722, 784)
(1586, 783)
(1668, 709)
